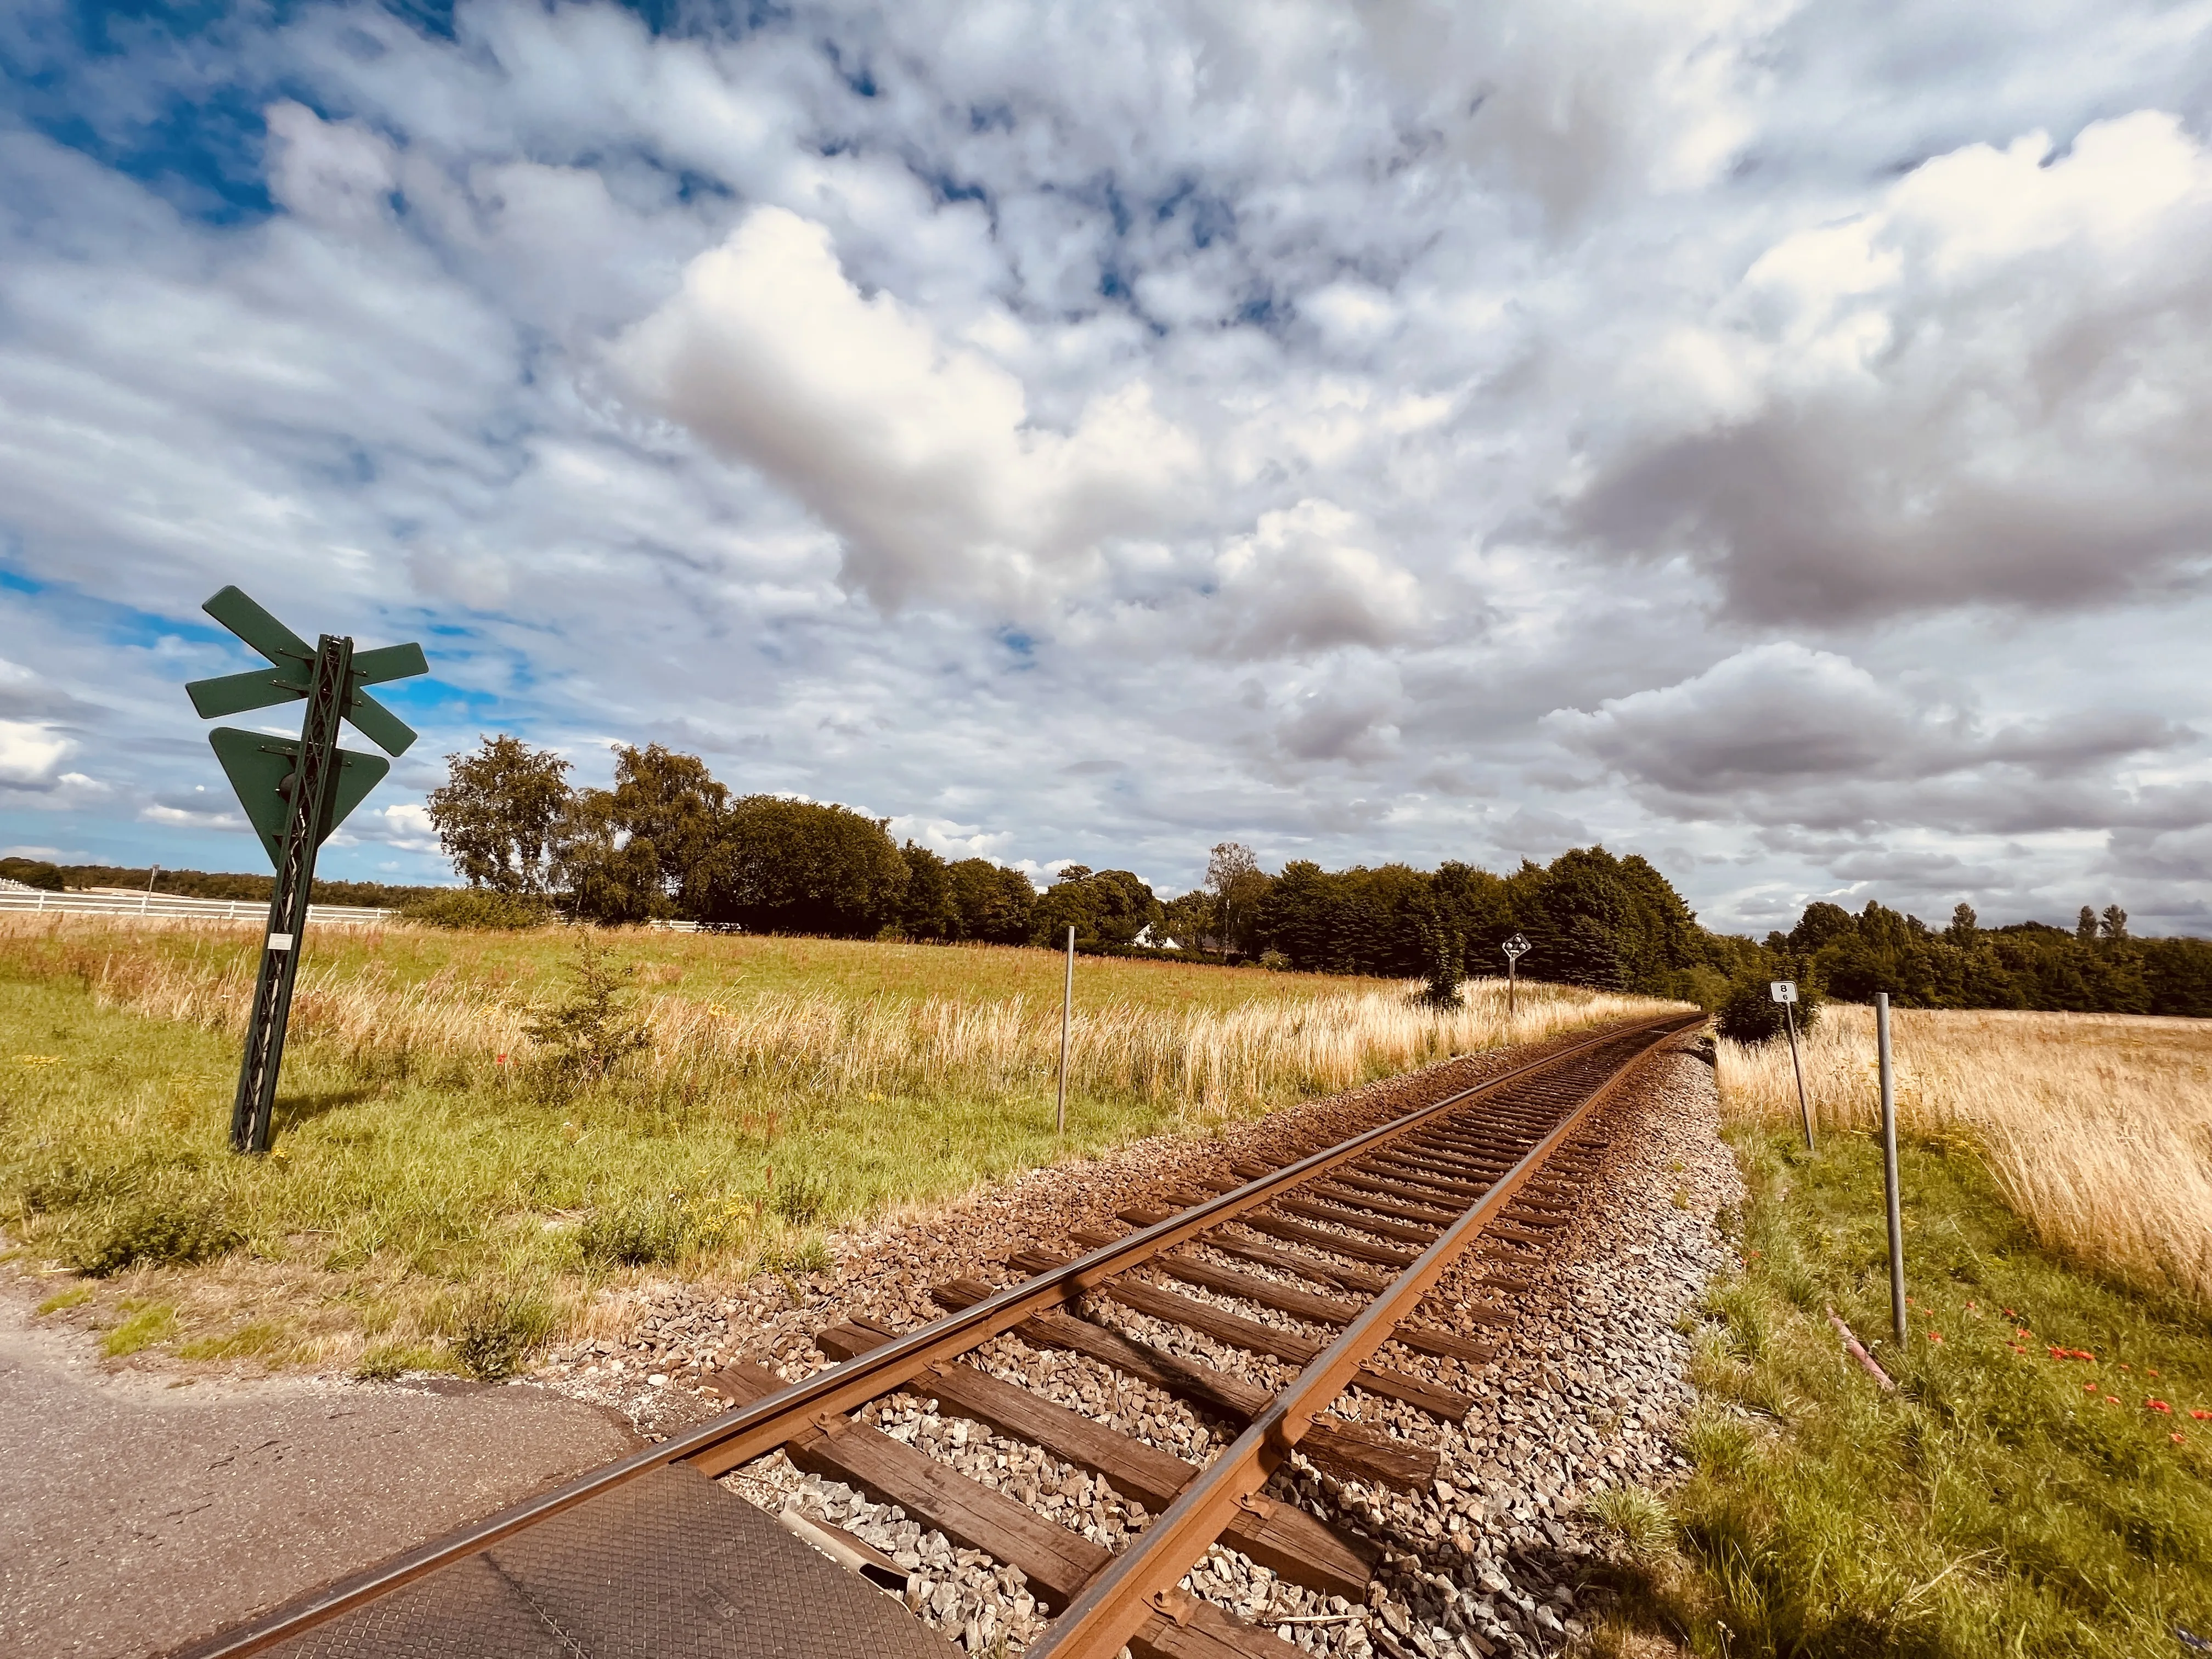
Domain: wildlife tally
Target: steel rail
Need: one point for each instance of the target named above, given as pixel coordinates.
(738, 1436)
(1112, 1608)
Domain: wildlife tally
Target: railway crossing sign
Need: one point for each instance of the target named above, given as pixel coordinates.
(294, 794)
(1781, 990)
(1514, 948)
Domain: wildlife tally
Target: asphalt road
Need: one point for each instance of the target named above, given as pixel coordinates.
(136, 1515)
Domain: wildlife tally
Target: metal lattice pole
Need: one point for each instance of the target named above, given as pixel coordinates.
(310, 785)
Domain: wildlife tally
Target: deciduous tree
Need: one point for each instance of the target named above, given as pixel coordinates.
(497, 811)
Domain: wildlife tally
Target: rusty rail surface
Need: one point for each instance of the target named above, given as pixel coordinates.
(1135, 1585)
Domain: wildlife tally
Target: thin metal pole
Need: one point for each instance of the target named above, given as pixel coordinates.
(1889, 1168)
(1066, 1003)
(1512, 974)
(1789, 1015)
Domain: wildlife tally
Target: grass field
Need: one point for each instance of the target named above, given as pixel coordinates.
(2041, 1481)
(447, 1187)
(2097, 1127)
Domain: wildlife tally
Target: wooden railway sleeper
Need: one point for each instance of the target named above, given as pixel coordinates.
(1256, 1336)
(1056, 1562)
(1279, 1536)
(1350, 1451)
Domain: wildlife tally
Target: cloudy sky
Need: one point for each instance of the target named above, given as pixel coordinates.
(1772, 439)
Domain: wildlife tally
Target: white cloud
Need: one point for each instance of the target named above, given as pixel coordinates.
(1097, 432)
(1781, 734)
(921, 454)
(30, 754)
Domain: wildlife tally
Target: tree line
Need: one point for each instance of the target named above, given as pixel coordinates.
(200, 884)
(2094, 967)
(669, 840)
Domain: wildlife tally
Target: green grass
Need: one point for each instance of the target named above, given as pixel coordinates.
(143, 1324)
(1995, 1504)
(389, 1199)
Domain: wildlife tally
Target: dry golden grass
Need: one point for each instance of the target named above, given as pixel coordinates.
(2097, 1127)
(1210, 1061)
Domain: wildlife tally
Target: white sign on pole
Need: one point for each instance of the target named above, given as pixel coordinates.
(1783, 990)
(1516, 947)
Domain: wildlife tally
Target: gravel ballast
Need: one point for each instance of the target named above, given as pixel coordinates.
(1585, 1391)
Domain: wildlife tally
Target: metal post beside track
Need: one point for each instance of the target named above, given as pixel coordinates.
(1889, 1168)
(1067, 1006)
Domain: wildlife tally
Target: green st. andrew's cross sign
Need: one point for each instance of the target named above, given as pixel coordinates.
(294, 794)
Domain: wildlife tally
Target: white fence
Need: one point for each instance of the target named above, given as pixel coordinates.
(169, 904)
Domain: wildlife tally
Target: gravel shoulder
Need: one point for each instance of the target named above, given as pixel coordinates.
(142, 1511)
(1586, 1391)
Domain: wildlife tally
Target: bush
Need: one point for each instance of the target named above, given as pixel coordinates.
(1707, 987)
(495, 1330)
(159, 1229)
(1638, 1517)
(1444, 964)
(635, 1234)
(802, 1197)
(1751, 1015)
(590, 1029)
(476, 909)
(33, 873)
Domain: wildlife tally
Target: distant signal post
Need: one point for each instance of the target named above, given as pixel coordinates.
(294, 794)
(1784, 991)
(1515, 949)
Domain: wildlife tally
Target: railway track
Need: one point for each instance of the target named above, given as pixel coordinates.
(1336, 1254)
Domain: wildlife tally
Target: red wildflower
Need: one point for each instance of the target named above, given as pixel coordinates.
(1935, 1336)
(2202, 1416)
(2178, 1439)
(2111, 1399)
(2088, 1388)
(2150, 1373)
(2158, 1405)
(2123, 1365)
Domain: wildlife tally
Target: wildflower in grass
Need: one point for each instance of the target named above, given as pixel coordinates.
(2150, 1373)
(2123, 1365)
(2158, 1405)
(2178, 1439)
(2201, 1416)
(2088, 1388)
(2111, 1399)
(1935, 1336)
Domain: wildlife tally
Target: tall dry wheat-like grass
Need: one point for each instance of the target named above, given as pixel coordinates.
(2097, 1127)
(1222, 1060)
(1225, 1061)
